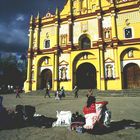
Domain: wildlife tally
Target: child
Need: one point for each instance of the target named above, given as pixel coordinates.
(57, 95)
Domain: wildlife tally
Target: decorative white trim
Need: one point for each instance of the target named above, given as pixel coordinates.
(106, 22)
(124, 63)
(48, 67)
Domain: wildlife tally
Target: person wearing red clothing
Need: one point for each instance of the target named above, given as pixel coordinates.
(90, 112)
(91, 106)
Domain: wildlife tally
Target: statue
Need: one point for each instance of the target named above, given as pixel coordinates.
(63, 75)
(130, 53)
(109, 71)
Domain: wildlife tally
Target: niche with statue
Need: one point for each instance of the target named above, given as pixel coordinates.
(109, 71)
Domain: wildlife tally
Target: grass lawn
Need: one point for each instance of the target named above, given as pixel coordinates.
(124, 110)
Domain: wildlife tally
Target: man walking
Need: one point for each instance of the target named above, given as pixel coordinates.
(75, 90)
(47, 93)
(17, 92)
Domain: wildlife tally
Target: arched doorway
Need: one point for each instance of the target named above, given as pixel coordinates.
(46, 76)
(131, 76)
(86, 76)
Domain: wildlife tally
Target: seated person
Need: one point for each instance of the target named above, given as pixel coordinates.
(62, 92)
(90, 112)
(90, 107)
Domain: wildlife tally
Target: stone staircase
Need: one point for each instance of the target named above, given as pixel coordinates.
(124, 92)
(84, 92)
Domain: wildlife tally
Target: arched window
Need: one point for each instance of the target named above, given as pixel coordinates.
(85, 43)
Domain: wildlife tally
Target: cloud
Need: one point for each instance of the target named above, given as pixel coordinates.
(12, 32)
(14, 20)
(20, 18)
(8, 8)
(12, 35)
(13, 47)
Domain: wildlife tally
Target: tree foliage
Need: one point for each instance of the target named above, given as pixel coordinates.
(9, 72)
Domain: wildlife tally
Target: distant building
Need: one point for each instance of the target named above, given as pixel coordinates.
(90, 43)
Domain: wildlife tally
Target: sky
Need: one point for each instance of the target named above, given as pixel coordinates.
(14, 21)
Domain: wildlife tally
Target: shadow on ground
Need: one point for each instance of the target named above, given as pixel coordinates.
(14, 123)
(46, 122)
(116, 126)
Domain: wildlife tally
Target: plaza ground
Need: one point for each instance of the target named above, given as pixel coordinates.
(124, 109)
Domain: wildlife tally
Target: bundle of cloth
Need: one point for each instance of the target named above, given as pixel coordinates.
(63, 118)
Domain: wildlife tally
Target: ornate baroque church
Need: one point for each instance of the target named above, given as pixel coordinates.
(89, 43)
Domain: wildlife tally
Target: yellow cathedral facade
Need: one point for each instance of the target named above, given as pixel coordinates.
(89, 43)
